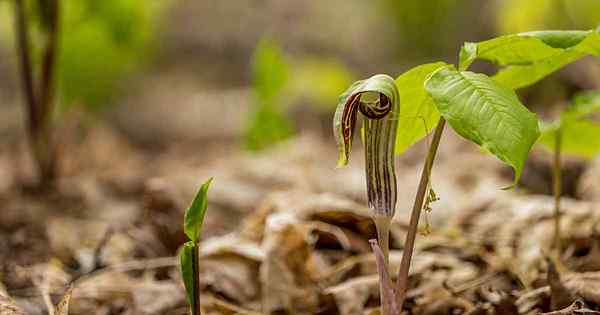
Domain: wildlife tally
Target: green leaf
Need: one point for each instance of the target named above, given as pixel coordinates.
(266, 127)
(187, 271)
(267, 123)
(486, 113)
(269, 70)
(529, 57)
(584, 104)
(579, 134)
(418, 114)
(578, 138)
(194, 216)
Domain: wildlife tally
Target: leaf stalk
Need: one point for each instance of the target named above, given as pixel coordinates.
(557, 187)
(402, 281)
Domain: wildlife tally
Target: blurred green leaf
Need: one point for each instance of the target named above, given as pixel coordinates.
(187, 272)
(486, 113)
(418, 114)
(194, 215)
(515, 16)
(267, 124)
(101, 43)
(584, 104)
(319, 81)
(269, 71)
(529, 57)
(579, 138)
(580, 135)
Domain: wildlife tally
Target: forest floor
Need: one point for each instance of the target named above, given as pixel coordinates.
(286, 232)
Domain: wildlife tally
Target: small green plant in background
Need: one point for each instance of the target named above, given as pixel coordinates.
(106, 41)
(572, 133)
(192, 227)
(74, 52)
(279, 80)
(270, 72)
(482, 109)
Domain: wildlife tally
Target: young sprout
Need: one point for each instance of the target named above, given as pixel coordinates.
(190, 265)
(573, 133)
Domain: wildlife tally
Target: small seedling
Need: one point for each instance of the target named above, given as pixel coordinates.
(573, 133)
(192, 227)
(482, 109)
(270, 72)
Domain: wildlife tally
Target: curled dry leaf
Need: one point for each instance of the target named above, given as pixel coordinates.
(286, 284)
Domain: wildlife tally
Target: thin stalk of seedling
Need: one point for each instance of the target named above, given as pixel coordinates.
(557, 187)
(190, 256)
(409, 244)
(23, 50)
(196, 266)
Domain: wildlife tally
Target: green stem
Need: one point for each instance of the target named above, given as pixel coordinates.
(402, 282)
(196, 269)
(557, 187)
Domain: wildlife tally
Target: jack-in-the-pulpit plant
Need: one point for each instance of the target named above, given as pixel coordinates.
(377, 100)
(192, 226)
(482, 109)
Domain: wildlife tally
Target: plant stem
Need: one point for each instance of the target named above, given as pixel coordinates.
(23, 49)
(47, 84)
(39, 105)
(409, 244)
(557, 187)
(382, 224)
(196, 268)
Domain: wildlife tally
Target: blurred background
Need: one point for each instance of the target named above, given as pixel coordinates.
(155, 96)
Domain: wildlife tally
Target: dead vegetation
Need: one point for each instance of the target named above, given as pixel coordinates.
(285, 233)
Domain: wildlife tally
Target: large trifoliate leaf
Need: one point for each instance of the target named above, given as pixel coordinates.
(529, 57)
(486, 113)
(579, 134)
(418, 114)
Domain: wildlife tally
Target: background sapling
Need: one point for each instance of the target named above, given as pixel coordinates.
(192, 226)
(574, 132)
(39, 89)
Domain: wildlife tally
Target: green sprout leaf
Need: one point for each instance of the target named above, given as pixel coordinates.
(194, 216)
(270, 73)
(584, 104)
(418, 115)
(529, 57)
(486, 113)
(378, 100)
(579, 133)
(187, 271)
